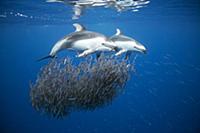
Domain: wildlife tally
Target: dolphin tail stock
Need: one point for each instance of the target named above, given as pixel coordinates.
(46, 57)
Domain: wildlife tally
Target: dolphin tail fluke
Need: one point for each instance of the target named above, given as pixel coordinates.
(46, 57)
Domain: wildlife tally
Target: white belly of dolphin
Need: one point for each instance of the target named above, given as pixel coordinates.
(93, 43)
(128, 45)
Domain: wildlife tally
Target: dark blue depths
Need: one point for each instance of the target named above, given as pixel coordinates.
(162, 96)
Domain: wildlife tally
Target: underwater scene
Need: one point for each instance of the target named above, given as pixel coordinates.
(100, 66)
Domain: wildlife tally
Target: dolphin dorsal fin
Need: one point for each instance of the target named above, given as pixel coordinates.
(78, 27)
(118, 32)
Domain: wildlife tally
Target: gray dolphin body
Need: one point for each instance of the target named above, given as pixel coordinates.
(83, 41)
(126, 44)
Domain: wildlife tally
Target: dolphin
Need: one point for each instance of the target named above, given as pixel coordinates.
(83, 41)
(125, 44)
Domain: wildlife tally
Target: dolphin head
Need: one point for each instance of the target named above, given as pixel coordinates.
(139, 47)
(60, 45)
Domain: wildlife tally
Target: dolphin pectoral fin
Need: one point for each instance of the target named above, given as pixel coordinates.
(86, 52)
(121, 52)
(128, 54)
(115, 48)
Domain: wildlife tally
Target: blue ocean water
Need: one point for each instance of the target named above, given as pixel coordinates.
(163, 95)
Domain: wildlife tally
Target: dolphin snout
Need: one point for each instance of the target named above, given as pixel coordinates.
(140, 48)
(144, 51)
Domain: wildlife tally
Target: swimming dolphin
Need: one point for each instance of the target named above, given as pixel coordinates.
(125, 44)
(83, 41)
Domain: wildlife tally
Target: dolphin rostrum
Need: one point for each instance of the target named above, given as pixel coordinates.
(125, 44)
(83, 41)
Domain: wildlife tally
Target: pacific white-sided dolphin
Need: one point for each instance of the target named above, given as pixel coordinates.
(83, 41)
(125, 44)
